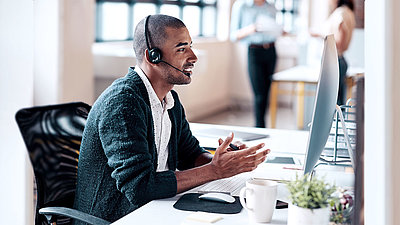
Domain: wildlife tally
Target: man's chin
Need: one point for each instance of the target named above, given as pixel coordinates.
(184, 82)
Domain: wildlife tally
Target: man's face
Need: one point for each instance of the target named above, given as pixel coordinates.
(177, 50)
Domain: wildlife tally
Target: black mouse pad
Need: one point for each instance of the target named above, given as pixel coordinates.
(191, 202)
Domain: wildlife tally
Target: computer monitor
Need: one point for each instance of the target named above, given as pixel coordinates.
(324, 105)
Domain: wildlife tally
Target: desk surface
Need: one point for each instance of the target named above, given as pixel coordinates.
(162, 211)
(279, 140)
(308, 74)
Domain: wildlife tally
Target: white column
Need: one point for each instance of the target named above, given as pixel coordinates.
(394, 120)
(382, 124)
(46, 52)
(16, 91)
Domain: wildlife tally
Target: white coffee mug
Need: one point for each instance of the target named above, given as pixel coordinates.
(260, 200)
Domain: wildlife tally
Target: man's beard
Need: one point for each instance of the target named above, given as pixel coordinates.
(175, 77)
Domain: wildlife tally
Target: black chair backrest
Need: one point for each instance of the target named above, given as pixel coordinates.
(52, 135)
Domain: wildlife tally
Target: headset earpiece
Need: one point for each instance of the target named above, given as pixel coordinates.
(155, 55)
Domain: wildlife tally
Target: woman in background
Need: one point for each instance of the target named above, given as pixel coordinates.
(341, 24)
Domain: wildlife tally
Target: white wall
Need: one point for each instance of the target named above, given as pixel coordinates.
(211, 82)
(382, 110)
(319, 11)
(46, 51)
(16, 91)
(75, 53)
(355, 54)
(45, 58)
(64, 34)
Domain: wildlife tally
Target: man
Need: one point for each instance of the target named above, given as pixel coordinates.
(253, 23)
(137, 145)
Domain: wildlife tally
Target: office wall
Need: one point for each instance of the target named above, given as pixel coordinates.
(382, 110)
(46, 51)
(395, 126)
(16, 91)
(45, 58)
(64, 34)
(76, 39)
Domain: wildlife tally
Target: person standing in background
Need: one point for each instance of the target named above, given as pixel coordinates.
(341, 24)
(253, 23)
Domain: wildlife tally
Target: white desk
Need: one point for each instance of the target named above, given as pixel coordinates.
(162, 211)
(278, 140)
(302, 75)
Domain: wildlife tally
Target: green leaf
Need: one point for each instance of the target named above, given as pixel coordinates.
(310, 192)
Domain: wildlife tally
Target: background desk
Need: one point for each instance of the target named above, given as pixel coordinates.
(162, 211)
(302, 75)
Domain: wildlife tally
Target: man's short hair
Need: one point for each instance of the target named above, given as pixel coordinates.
(155, 31)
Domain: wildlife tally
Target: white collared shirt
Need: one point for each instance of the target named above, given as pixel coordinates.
(161, 121)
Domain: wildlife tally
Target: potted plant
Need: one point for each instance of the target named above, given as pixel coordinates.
(309, 198)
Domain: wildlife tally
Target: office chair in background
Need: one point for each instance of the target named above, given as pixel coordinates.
(52, 135)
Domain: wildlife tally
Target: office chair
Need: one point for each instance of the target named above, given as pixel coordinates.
(52, 135)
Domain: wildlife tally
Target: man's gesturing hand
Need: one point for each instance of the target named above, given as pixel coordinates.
(227, 163)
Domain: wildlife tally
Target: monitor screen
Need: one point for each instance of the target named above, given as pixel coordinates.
(324, 105)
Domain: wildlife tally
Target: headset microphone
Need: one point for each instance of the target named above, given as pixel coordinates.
(155, 55)
(187, 74)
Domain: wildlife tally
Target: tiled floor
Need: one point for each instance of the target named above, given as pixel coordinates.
(286, 118)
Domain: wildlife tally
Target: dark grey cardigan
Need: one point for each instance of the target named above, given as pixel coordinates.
(118, 158)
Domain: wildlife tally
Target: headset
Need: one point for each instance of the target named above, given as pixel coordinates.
(155, 55)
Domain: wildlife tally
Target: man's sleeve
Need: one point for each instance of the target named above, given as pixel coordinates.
(124, 136)
(188, 146)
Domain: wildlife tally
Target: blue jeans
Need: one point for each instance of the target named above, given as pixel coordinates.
(342, 81)
(261, 66)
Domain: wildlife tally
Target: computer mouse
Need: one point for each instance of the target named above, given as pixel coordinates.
(218, 197)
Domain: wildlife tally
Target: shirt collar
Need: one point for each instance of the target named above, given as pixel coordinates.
(169, 100)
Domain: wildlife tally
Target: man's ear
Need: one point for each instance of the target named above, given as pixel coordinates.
(146, 58)
(146, 55)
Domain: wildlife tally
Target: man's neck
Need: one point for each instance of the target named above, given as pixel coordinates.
(160, 88)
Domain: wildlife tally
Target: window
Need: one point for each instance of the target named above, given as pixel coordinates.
(287, 13)
(116, 19)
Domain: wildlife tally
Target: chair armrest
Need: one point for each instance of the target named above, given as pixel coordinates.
(72, 213)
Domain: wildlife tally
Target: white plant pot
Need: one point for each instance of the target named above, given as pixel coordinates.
(304, 216)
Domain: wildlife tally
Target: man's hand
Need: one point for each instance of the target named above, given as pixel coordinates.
(227, 162)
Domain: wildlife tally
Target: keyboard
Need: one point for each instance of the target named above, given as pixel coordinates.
(231, 185)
